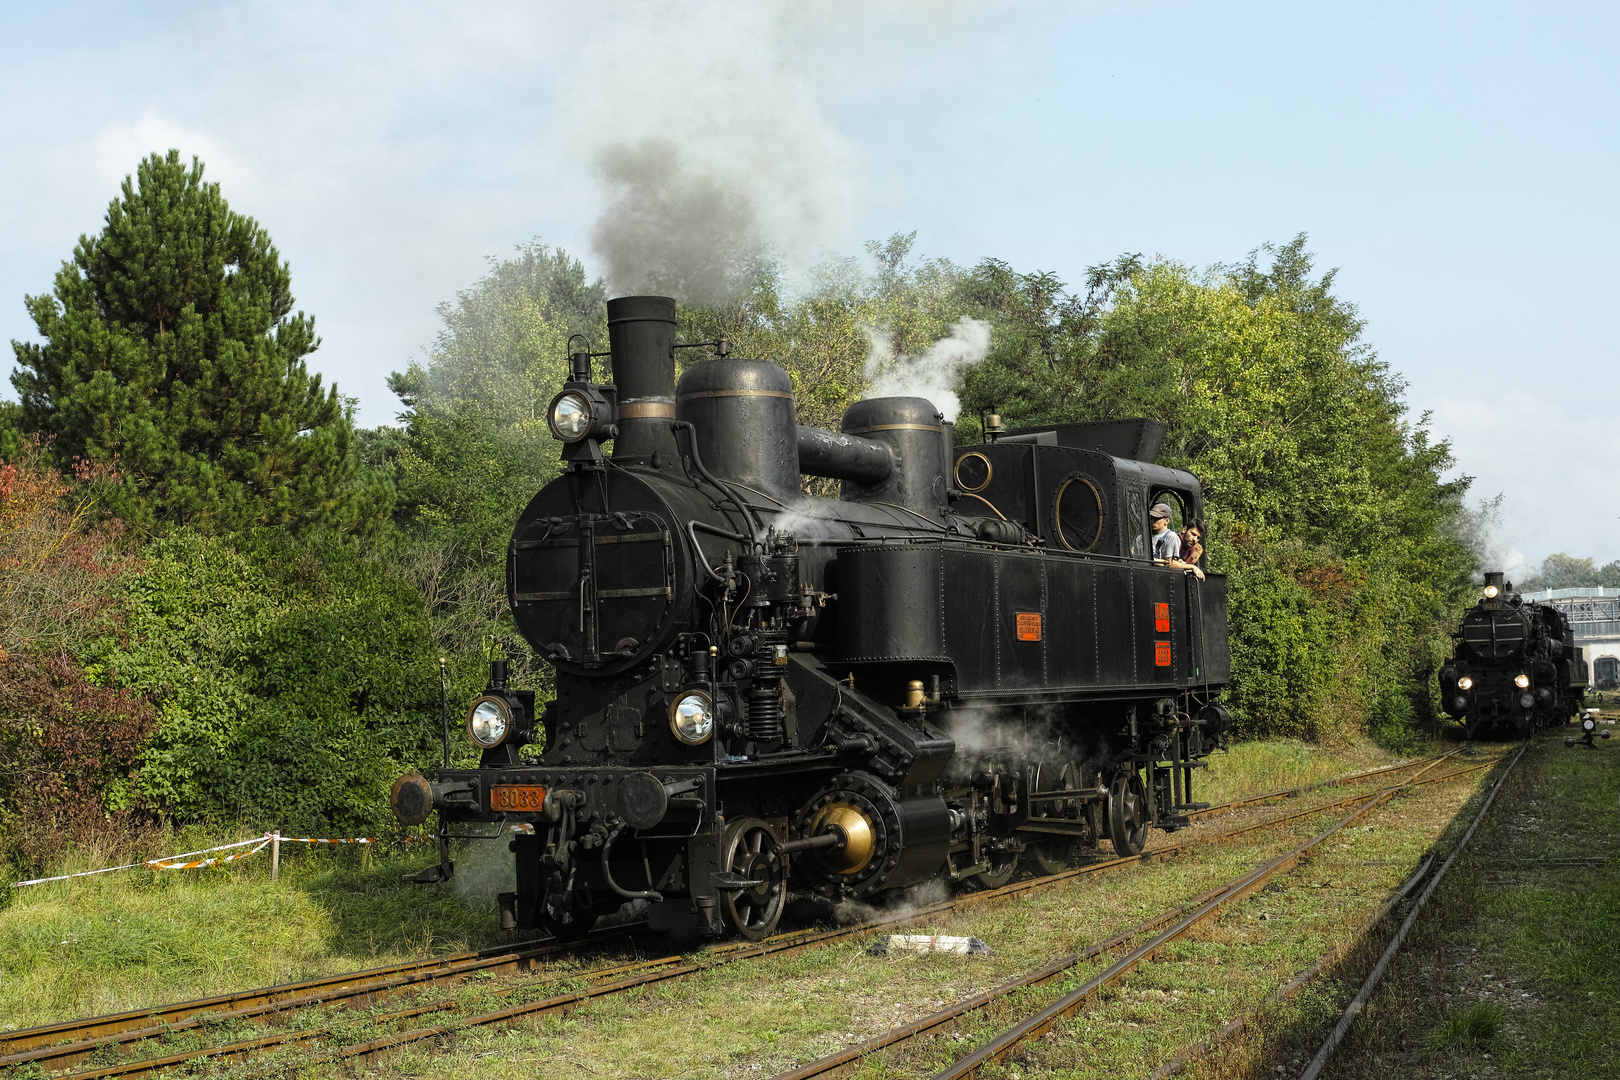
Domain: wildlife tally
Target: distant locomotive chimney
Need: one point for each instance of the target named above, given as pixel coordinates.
(641, 337)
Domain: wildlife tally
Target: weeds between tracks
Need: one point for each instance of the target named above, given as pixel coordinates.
(805, 967)
(1511, 971)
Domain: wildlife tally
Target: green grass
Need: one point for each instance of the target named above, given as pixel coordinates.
(1475, 1026)
(135, 939)
(1275, 765)
(139, 938)
(1512, 970)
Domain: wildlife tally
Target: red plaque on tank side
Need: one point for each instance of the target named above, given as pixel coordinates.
(1029, 626)
(1161, 653)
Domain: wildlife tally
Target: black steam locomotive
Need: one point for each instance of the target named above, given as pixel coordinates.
(1515, 670)
(967, 661)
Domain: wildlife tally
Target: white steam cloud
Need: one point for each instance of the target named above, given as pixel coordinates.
(934, 374)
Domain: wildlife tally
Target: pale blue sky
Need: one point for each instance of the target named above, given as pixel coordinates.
(1454, 161)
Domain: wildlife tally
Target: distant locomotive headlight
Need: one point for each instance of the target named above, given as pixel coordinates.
(1491, 592)
(1465, 683)
(1521, 681)
(570, 416)
(1527, 701)
(488, 722)
(691, 718)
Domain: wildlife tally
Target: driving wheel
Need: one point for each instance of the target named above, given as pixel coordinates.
(749, 852)
(1051, 856)
(1002, 865)
(1127, 814)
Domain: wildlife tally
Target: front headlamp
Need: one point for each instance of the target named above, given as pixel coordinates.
(691, 717)
(1492, 592)
(1521, 681)
(570, 416)
(1527, 701)
(1465, 683)
(489, 722)
(1588, 723)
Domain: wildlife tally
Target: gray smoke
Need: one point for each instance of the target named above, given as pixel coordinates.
(703, 124)
(669, 228)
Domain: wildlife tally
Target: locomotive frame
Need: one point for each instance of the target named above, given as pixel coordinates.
(966, 662)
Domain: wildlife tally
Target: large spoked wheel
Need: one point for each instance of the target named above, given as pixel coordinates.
(1002, 866)
(566, 919)
(1127, 814)
(749, 852)
(1046, 857)
(1051, 856)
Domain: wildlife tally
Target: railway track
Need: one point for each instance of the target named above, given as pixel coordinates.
(63, 1046)
(1167, 928)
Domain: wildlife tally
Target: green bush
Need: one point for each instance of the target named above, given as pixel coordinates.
(294, 680)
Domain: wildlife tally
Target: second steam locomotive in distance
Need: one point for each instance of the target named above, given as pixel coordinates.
(1516, 668)
(966, 662)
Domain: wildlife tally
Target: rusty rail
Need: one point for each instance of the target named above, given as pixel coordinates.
(35, 1045)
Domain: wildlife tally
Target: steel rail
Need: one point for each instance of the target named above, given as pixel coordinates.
(1232, 1028)
(162, 1018)
(1240, 888)
(1056, 968)
(70, 1041)
(361, 987)
(350, 987)
(1359, 1003)
(1333, 956)
(1293, 793)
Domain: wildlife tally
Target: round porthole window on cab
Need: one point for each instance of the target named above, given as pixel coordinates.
(1078, 514)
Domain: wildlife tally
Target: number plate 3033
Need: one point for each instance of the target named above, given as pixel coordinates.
(522, 798)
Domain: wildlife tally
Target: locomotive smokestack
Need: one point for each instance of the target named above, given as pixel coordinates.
(641, 337)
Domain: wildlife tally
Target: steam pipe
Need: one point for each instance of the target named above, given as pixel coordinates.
(748, 516)
(844, 457)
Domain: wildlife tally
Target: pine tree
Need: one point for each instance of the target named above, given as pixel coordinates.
(172, 351)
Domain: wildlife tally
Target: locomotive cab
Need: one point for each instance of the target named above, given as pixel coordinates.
(964, 663)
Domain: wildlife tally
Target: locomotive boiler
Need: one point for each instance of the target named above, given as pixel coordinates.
(966, 662)
(1515, 669)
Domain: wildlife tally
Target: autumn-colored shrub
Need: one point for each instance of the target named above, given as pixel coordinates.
(67, 751)
(68, 737)
(59, 556)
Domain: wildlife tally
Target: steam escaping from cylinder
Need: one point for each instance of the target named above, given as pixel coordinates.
(933, 374)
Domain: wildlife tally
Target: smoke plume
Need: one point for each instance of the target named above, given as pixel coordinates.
(703, 126)
(933, 374)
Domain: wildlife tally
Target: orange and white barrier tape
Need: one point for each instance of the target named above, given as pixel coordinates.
(257, 844)
(161, 864)
(166, 864)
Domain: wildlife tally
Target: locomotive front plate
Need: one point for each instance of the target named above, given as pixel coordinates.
(520, 798)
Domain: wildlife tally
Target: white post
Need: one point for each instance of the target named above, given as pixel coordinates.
(275, 854)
